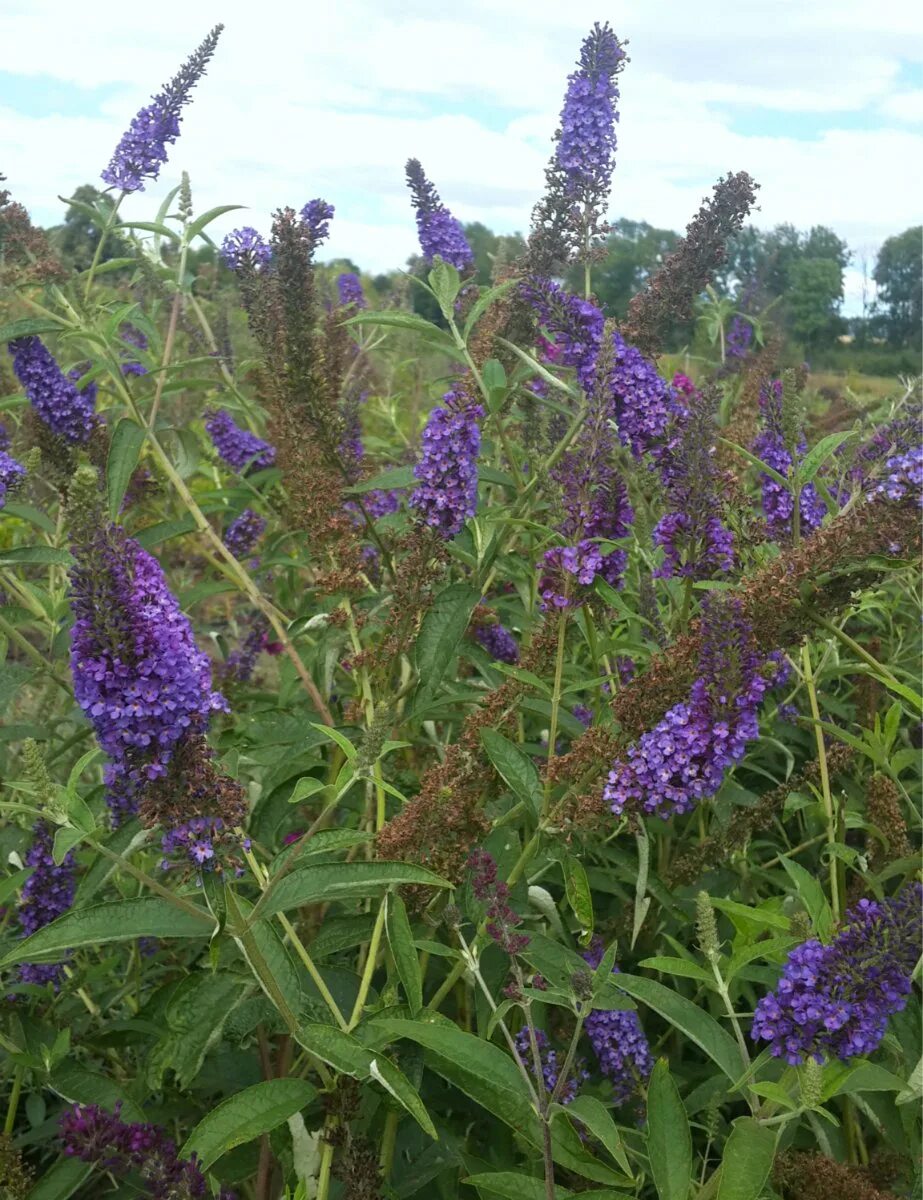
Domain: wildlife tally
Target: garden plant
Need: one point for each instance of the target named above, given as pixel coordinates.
(464, 754)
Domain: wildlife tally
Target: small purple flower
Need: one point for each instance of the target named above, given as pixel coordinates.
(317, 215)
(835, 1000)
(239, 448)
(245, 249)
(447, 471)
(583, 714)
(349, 290)
(739, 338)
(12, 474)
(488, 888)
(618, 1039)
(771, 447)
(498, 642)
(643, 402)
(244, 532)
(143, 148)
(550, 1067)
(46, 895)
(575, 326)
(440, 233)
(58, 402)
(903, 476)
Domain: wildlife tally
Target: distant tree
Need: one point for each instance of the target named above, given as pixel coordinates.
(488, 246)
(899, 276)
(76, 240)
(813, 299)
(634, 250)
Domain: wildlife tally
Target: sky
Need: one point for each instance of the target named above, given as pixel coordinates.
(820, 100)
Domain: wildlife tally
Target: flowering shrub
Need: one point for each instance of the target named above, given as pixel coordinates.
(371, 745)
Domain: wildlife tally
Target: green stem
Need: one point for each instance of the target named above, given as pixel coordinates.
(369, 971)
(860, 651)
(152, 884)
(555, 707)
(37, 657)
(388, 1142)
(829, 811)
(107, 229)
(13, 1105)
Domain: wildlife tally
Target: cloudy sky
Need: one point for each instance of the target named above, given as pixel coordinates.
(820, 100)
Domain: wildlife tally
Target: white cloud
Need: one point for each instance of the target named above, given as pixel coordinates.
(330, 100)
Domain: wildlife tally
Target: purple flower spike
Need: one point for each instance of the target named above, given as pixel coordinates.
(498, 642)
(618, 1039)
(245, 249)
(46, 895)
(440, 233)
(585, 152)
(349, 289)
(834, 1001)
(549, 1064)
(12, 474)
(58, 402)
(317, 215)
(143, 148)
(244, 532)
(447, 473)
(240, 449)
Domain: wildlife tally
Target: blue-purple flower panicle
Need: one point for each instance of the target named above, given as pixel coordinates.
(245, 249)
(317, 215)
(46, 895)
(770, 446)
(550, 1067)
(239, 448)
(586, 141)
(123, 1148)
(685, 757)
(447, 471)
(12, 473)
(138, 674)
(68, 411)
(143, 149)
(575, 326)
(619, 1042)
(349, 290)
(834, 1001)
(244, 532)
(441, 235)
(498, 642)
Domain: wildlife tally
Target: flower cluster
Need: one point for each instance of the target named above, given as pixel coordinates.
(143, 148)
(498, 642)
(245, 249)
(693, 549)
(56, 399)
(349, 290)
(138, 674)
(550, 1067)
(447, 471)
(439, 232)
(739, 337)
(244, 532)
(198, 841)
(902, 476)
(501, 919)
(134, 337)
(586, 142)
(575, 325)
(619, 1042)
(239, 448)
(317, 215)
(239, 665)
(46, 894)
(643, 402)
(12, 473)
(683, 759)
(771, 446)
(835, 1000)
(119, 1147)
(583, 562)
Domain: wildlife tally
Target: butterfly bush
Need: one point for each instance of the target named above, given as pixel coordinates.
(349, 290)
(550, 1066)
(12, 473)
(447, 471)
(245, 248)
(244, 532)
(772, 448)
(239, 448)
(46, 895)
(441, 235)
(498, 642)
(834, 1001)
(619, 1043)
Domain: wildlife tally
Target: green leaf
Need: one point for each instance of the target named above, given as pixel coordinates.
(25, 512)
(394, 477)
(512, 1185)
(29, 327)
(207, 217)
(579, 896)
(515, 768)
(558, 964)
(758, 462)
(347, 1055)
(194, 1020)
(747, 1160)
(77, 1085)
(400, 939)
(60, 1181)
(440, 632)
(406, 320)
(44, 555)
(598, 1119)
(690, 1019)
(812, 897)
(445, 281)
(152, 227)
(818, 455)
(678, 966)
(669, 1141)
(334, 735)
(268, 958)
(484, 302)
(124, 451)
(118, 921)
(339, 881)
(254, 1111)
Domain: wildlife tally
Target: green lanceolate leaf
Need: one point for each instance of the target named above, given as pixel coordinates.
(669, 1141)
(406, 962)
(394, 477)
(747, 1160)
(241, 1118)
(124, 451)
(120, 921)
(341, 881)
(579, 895)
(194, 1020)
(61, 1180)
(514, 767)
(442, 629)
